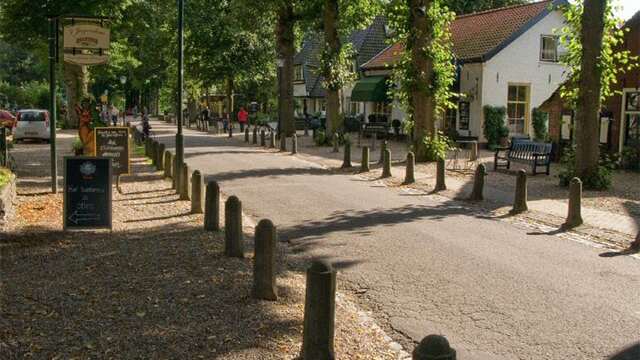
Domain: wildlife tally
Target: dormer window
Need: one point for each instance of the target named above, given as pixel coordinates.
(298, 74)
(549, 48)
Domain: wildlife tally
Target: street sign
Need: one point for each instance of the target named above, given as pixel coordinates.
(113, 142)
(87, 193)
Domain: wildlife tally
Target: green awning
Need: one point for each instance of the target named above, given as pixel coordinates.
(371, 88)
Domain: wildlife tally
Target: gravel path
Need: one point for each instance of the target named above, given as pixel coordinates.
(156, 288)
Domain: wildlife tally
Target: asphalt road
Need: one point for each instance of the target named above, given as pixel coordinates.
(495, 290)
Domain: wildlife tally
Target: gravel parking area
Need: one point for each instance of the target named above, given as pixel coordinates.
(157, 287)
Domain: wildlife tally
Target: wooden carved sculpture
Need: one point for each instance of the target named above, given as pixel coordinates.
(86, 134)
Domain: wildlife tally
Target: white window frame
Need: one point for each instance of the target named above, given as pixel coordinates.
(542, 51)
(298, 73)
(526, 102)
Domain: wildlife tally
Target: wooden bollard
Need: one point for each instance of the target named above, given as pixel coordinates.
(175, 178)
(336, 142)
(319, 312)
(409, 177)
(147, 147)
(185, 194)
(520, 203)
(283, 142)
(168, 163)
(160, 157)
(272, 140)
(383, 146)
(197, 187)
(294, 144)
(346, 162)
(440, 182)
(364, 167)
(230, 130)
(154, 153)
(574, 217)
(255, 135)
(212, 207)
(246, 134)
(262, 139)
(478, 184)
(386, 168)
(434, 347)
(306, 127)
(233, 245)
(264, 262)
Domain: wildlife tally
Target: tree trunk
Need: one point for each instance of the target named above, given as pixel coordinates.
(285, 46)
(334, 107)
(422, 104)
(230, 93)
(588, 102)
(193, 108)
(76, 79)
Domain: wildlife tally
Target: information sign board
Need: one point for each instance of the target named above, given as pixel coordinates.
(87, 193)
(113, 142)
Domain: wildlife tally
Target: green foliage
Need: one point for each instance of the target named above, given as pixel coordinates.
(610, 62)
(431, 147)
(439, 52)
(629, 158)
(467, 7)
(494, 126)
(324, 139)
(599, 180)
(76, 145)
(539, 119)
(5, 175)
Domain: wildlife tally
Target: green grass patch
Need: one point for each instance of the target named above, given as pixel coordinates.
(5, 175)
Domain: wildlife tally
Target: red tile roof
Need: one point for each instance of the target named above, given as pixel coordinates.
(474, 35)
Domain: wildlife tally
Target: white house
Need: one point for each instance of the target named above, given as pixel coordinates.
(509, 58)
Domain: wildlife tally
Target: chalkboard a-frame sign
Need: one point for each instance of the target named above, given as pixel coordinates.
(87, 193)
(113, 142)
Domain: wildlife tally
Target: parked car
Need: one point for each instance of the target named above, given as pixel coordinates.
(31, 124)
(6, 119)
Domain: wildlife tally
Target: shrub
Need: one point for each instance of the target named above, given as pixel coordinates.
(76, 145)
(430, 148)
(629, 159)
(324, 139)
(601, 180)
(494, 126)
(539, 119)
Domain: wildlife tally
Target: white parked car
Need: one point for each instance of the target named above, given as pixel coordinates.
(31, 124)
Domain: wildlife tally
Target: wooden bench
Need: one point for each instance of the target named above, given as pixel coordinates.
(524, 152)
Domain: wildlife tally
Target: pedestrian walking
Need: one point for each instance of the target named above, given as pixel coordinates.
(242, 117)
(206, 114)
(114, 115)
(135, 113)
(225, 120)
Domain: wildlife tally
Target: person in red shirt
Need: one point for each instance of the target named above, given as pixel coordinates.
(242, 117)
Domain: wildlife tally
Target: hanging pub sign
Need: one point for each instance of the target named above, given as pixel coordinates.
(86, 44)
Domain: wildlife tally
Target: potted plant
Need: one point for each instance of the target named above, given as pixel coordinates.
(77, 147)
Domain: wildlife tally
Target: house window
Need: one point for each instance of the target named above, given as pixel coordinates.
(549, 48)
(353, 107)
(632, 119)
(450, 116)
(323, 105)
(517, 108)
(382, 108)
(298, 76)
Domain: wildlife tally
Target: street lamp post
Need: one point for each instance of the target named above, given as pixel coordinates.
(280, 65)
(53, 29)
(123, 80)
(179, 136)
